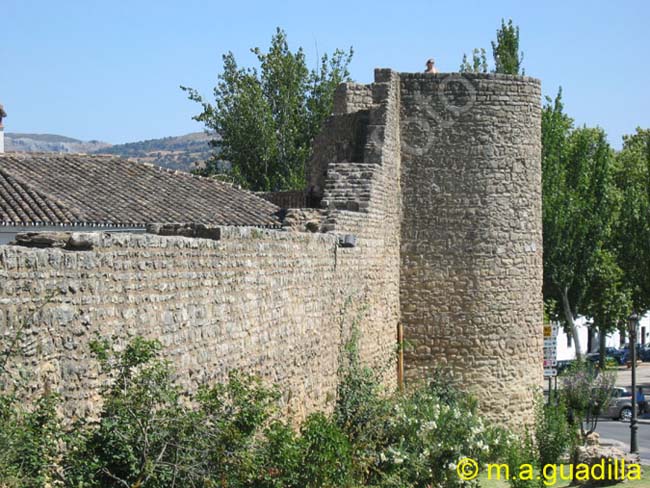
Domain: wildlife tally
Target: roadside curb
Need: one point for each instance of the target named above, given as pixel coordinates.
(638, 421)
(623, 447)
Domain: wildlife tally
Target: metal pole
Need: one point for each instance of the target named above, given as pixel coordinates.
(400, 356)
(634, 447)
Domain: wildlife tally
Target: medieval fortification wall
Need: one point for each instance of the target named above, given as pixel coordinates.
(438, 179)
(471, 234)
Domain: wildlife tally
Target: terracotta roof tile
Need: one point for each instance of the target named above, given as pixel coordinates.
(52, 188)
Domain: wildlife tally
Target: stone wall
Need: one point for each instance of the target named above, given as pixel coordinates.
(471, 234)
(269, 302)
(342, 138)
(277, 303)
(362, 197)
(352, 97)
(437, 177)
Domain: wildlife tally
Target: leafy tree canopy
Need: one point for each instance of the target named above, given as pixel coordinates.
(268, 116)
(632, 232)
(579, 207)
(477, 65)
(505, 49)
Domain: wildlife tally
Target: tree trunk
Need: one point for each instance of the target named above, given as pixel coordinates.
(591, 338)
(602, 338)
(568, 315)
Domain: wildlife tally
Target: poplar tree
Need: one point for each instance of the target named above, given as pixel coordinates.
(505, 50)
(267, 116)
(479, 62)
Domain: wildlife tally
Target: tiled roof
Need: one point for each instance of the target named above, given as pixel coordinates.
(50, 188)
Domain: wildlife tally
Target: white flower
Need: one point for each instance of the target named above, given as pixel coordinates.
(398, 457)
(430, 425)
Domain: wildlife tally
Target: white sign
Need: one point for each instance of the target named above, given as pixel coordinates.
(550, 352)
(550, 372)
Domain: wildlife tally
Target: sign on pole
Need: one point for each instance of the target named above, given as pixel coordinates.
(550, 350)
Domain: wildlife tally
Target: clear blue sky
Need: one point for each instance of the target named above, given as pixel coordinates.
(110, 70)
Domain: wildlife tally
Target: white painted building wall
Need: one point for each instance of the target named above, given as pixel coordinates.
(566, 351)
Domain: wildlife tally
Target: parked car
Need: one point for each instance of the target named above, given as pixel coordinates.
(611, 361)
(564, 364)
(617, 354)
(620, 405)
(644, 353)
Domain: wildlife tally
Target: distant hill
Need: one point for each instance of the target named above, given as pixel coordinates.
(42, 137)
(49, 143)
(183, 152)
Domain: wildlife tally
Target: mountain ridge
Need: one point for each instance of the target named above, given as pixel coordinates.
(185, 153)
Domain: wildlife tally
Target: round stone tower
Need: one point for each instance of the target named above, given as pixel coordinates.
(471, 235)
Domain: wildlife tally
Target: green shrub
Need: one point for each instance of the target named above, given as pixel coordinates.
(229, 430)
(30, 442)
(280, 457)
(413, 438)
(232, 435)
(428, 434)
(137, 438)
(553, 434)
(148, 436)
(363, 410)
(326, 454)
(522, 452)
(586, 392)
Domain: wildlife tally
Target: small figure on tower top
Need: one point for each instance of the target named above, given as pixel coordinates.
(2, 114)
(430, 66)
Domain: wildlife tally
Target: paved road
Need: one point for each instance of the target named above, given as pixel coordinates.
(620, 431)
(624, 376)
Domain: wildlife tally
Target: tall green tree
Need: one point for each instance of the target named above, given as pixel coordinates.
(578, 209)
(507, 58)
(267, 116)
(632, 231)
(505, 50)
(478, 64)
(607, 298)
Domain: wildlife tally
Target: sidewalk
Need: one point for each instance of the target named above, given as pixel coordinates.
(644, 419)
(624, 376)
(624, 379)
